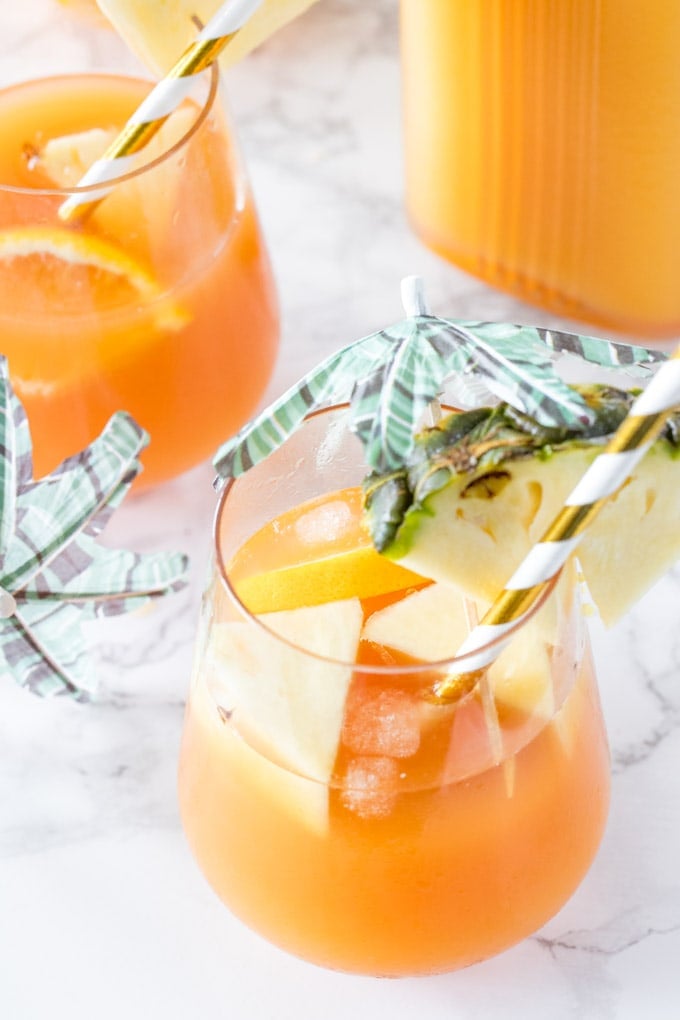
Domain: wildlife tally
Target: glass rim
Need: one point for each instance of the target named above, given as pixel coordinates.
(129, 175)
(455, 662)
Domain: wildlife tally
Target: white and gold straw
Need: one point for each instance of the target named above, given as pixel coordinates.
(163, 100)
(604, 477)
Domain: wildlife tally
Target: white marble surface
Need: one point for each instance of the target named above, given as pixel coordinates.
(102, 910)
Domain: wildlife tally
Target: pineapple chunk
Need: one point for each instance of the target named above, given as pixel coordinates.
(65, 159)
(291, 704)
(139, 209)
(430, 625)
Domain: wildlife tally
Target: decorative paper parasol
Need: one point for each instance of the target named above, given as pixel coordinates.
(391, 377)
(54, 576)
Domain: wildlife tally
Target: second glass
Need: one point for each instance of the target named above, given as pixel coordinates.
(159, 302)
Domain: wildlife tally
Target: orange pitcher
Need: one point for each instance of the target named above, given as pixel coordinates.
(543, 151)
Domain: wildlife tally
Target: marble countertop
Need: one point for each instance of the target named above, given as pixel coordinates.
(102, 910)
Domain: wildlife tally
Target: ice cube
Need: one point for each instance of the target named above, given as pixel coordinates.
(382, 722)
(325, 523)
(371, 786)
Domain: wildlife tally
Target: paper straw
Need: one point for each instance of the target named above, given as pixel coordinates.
(604, 477)
(161, 102)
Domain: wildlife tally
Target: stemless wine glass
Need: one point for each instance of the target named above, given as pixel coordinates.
(333, 806)
(159, 300)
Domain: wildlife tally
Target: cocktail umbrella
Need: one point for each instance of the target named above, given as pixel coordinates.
(54, 575)
(391, 377)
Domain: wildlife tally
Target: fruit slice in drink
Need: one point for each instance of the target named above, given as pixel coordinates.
(140, 207)
(159, 42)
(309, 576)
(319, 551)
(431, 624)
(339, 611)
(481, 487)
(288, 707)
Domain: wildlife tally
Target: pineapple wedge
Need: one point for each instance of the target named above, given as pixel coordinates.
(158, 31)
(289, 702)
(431, 625)
(482, 486)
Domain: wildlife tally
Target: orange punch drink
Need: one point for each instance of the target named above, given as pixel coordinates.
(542, 151)
(333, 804)
(159, 302)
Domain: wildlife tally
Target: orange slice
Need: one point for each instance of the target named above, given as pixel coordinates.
(362, 572)
(54, 271)
(317, 552)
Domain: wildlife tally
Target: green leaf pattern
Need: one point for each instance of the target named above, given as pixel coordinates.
(324, 386)
(390, 377)
(50, 562)
(389, 401)
(517, 367)
(633, 359)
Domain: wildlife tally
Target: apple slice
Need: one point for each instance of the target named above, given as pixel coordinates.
(289, 703)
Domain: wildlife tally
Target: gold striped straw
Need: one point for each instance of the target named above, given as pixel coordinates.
(161, 102)
(604, 477)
